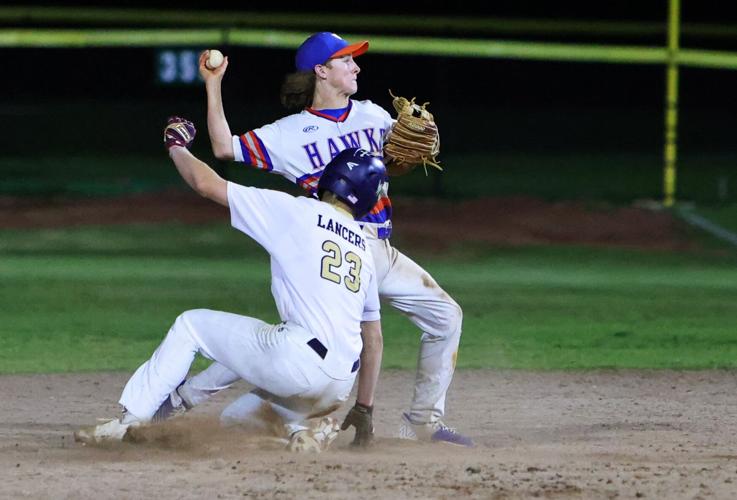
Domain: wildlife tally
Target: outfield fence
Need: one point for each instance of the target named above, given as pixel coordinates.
(242, 29)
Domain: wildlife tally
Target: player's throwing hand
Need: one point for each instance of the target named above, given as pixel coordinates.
(209, 74)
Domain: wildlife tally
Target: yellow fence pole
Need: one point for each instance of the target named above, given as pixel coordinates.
(671, 105)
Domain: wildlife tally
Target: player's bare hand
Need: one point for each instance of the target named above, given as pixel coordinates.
(212, 75)
(360, 417)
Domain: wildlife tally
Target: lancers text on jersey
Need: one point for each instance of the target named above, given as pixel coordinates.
(342, 231)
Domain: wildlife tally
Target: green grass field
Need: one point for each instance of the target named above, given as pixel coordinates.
(618, 177)
(101, 298)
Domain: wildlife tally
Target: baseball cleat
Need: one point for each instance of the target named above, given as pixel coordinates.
(173, 406)
(109, 431)
(435, 432)
(316, 439)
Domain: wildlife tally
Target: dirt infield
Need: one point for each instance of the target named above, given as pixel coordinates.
(611, 434)
(427, 223)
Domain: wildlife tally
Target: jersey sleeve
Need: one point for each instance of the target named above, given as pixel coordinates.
(387, 122)
(258, 148)
(262, 214)
(371, 308)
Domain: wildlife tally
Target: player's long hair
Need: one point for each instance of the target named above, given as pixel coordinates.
(298, 90)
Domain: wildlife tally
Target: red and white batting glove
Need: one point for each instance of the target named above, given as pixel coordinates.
(179, 132)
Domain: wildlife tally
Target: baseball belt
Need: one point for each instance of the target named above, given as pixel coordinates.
(322, 351)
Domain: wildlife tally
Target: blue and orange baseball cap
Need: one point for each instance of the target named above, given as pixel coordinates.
(320, 47)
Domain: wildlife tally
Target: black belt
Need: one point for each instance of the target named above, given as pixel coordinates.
(322, 351)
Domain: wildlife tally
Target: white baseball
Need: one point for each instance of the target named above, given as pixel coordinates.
(214, 59)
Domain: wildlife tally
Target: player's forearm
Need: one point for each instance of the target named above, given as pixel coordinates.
(217, 124)
(199, 175)
(368, 376)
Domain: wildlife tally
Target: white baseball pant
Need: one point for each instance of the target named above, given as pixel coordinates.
(411, 290)
(274, 358)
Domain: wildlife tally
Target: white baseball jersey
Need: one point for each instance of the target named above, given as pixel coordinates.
(324, 285)
(299, 146)
(322, 276)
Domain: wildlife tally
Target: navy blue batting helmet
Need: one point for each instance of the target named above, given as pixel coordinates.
(354, 177)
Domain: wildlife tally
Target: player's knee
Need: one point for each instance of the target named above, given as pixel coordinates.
(192, 317)
(452, 318)
(187, 321)
(230, 416)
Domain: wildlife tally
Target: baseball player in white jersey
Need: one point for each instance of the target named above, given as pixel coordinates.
(298, 147)
(324, 284)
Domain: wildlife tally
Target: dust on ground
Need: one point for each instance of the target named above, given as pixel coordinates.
(601, 434)
(430, 223)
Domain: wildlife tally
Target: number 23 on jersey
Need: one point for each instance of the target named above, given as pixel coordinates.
(333, 260)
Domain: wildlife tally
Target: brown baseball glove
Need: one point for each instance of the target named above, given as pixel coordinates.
(414, 139)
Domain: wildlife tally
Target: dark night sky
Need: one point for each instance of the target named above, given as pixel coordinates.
(462, 87)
